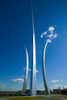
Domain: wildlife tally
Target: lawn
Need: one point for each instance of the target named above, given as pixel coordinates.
(59, 99)
(27, 98)
(65, 97)
(5, 96)
(53, 96)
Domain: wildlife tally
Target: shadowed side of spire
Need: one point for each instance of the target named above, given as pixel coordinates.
(44, 71)
(26, 74)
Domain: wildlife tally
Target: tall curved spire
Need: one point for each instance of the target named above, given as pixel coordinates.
(26, 74)
(44, 71)
(33, 69)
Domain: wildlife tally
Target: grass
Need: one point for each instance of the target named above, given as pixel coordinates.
(59, 99)
(4, 96)
(53, 96)
(65, 97)
(27, 98)
(56, 95)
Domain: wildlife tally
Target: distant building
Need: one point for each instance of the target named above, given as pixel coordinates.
(57, 91)
(65, 91)
(60, 91)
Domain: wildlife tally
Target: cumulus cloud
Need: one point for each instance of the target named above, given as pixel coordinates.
(51, 29)
(50, 33)
(55, 35)
(49, 41)
(65, 87)
(18, 80)
(37, 71)
(56, 85)
(44, 33)
(30, 70)
(55, 81)
(50, 36)
(61, 80)
(24, 68)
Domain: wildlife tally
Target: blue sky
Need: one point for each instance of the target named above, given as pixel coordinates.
(16, 31)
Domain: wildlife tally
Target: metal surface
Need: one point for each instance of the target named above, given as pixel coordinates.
(26, 74)
(44, 71)
(33, 69)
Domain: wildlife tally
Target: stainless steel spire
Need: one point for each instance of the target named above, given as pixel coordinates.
(33, 69)
(44, 71)
(26, 75)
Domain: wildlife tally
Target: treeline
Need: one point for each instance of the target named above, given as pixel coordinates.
(10, 93)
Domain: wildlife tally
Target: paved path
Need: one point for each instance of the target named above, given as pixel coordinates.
(52, 98)
(3, 99)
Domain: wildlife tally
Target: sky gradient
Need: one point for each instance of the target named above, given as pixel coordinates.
(16, 31)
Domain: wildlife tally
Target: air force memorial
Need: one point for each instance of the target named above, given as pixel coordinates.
(33, 66)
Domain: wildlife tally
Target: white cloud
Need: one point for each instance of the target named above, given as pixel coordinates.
(37, 71)
(56, 85)
(55, 36)
(61, 80)
(51, 29)
(41, 36)
(50, 36)
(28, 69)
(24, 68)
(19, 80)
(65, 87)
(44, 33)
(55, 81)
(49, 41)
